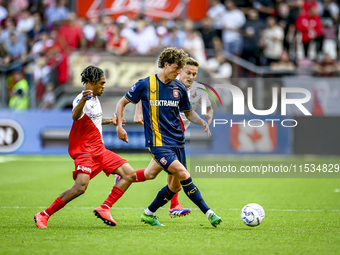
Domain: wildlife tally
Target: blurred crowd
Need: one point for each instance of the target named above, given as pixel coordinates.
(282, 34)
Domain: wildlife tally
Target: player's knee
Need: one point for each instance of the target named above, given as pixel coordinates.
(150, 176)
(79, 190)
(184, 175)
(129, 175)
(175, 188)
(132, 176)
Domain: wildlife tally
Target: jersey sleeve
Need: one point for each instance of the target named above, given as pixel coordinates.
(184, 103)
(136, 92)
(76, 101)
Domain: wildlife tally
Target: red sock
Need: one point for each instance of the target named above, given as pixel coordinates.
(54, 207)
(115, 194)
(174, 201)
(140, 177)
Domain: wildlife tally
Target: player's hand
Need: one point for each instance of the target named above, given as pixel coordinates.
(122, 135)
(138, 119)
(87, 94)
(208, 118)
(205, 126)
(114, 120)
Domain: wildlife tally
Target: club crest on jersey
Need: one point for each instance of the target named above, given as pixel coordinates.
(194, 95)
(133, 88)
(176, 93)
(163, 161)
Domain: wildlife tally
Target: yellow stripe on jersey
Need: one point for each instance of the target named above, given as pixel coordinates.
(154, 92)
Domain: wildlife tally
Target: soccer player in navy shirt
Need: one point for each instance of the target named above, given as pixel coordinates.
(163, 97)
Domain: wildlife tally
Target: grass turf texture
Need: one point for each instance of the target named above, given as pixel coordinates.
(302, 215)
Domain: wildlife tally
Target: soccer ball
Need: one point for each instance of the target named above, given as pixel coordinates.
(252, 214)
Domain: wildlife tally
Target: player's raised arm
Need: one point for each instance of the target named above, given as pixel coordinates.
(121, 133)
(78, 110)
(196, 119)
(138, 119)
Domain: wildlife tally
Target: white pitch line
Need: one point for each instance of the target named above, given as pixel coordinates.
(142, 208)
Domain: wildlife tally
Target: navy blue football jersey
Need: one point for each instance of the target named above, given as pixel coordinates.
(162, 104)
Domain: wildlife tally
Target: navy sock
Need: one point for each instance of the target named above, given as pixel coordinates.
(163, 196)
(194, 194)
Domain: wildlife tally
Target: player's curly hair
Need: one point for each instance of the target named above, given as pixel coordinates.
(91, 74)
(172, 55)
(191, 62)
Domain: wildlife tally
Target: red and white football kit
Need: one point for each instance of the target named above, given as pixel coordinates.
(86, 144)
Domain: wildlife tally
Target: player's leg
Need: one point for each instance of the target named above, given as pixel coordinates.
(191, 190)
(176, 209)
(114, 164)
(163, 156)
(79, 187)
(148, 173)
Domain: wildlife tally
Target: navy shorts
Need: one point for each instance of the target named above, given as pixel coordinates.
(164, 156)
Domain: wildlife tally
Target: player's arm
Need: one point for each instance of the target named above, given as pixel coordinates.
(78, 110)
(196, 119)
(210, 114)
(138, 119)
(121, 133)
(113, 120)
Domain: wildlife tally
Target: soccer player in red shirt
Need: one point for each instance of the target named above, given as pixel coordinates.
(87, 149)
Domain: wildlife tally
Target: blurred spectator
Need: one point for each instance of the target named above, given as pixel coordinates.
(118, 44)
(19, 99)
(3, 12)
(25, 23)
(252, 31)
(264, 7)
(49, 97)
(216, 13)
(193, 43)
(5, 58)
(284, 65)
(161, 31)
(329, 9)
(43, 44)
(37, 30)
(5, 35)
(294, 9)
(15, 7)
(273, 41)
(212, 41)
(71, 35)
(232, 21)
(174, 38)
(219, 67)
(325, 68)
(56, 13)
(308, 4)
(310, 27)
(145, 39)
(16, 48)
(41, 76)
(108, 28)
(329, 37)
(126, 31)
(90, 30)
(288, 28)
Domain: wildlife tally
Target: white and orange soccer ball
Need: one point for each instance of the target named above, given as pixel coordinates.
(252, 214)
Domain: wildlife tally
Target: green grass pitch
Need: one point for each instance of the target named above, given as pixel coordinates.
(302, 215)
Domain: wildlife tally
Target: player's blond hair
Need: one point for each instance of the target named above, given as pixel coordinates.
(172, 55)
(191, 62)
